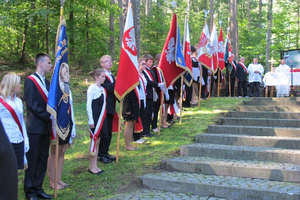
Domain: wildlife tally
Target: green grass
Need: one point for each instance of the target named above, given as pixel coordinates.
(122, 177)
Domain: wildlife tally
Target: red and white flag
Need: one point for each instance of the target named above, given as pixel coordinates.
(228, 56)
(214, 48)
(167, 62)
(221, 51)
(188, 77)
(128, 76)
(205, 50)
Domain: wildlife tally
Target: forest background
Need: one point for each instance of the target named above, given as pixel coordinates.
(258, 28)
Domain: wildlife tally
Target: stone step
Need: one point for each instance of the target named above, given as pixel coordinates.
(221, 186)
(255, 130)
(268, 108)
(273, 103)
(259, 122)
(239, 168)
(246, 140)
(161, 195)
(265, 114)
(275, 98)
(241, 152)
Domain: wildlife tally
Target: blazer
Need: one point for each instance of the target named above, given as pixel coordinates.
(240, 73)
(150, 86)
(110, 98)
(38, 119)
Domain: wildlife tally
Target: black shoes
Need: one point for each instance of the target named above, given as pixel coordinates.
(106, 158)
(102, 171)
(45, 196)
(148, 135)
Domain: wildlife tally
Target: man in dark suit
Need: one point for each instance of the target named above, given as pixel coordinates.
(38, 124)
(109, 85)
(232, 76)
(8, 168)
(241, 77)
(151, 84)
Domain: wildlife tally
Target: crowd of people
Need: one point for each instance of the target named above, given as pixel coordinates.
(31, 140)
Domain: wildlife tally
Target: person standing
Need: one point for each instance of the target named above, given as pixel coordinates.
(241, 77)
(232, 78)
(282, 90)
(38, 124)
(256, 71)
(109, 85)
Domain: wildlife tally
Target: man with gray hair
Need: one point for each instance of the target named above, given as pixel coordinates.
(241, 77)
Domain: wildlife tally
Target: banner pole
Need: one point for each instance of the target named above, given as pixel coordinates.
(219, 71)
(119, 131)
(200, 87)
(181, 99)
(160, 111)
(210, 86)
(229, 84)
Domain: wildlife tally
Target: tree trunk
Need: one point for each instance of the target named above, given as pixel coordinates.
(233, 27)
(87, 31)
(211, 12)
(22, 57)
(297, 35)
(137, 27)
(236, 33)
(269, 34)
(47, 28)
(112, 29)
(259, 13)
(229, 16)
(248, 14)
(71, 28)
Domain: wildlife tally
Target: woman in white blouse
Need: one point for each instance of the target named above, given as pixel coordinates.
(11, 115)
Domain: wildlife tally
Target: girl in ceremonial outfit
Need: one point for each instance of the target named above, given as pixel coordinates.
(11, 115)
(96, 110)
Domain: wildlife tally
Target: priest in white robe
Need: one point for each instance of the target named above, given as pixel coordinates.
(282, 90)
(256, 71)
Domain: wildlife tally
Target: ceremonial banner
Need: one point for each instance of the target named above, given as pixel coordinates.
(221, 51)
(58, 98)
(188, 75)
(172, 62)
(128, 76)
(214, 45)
(205, 52)
(228, 54)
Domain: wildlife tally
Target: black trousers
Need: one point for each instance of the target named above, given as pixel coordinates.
(105, 142)
(156, 105)
(37, 158)
(148, 116)
(256, 86)
(242, 85)
(188, 95)
(232, 84)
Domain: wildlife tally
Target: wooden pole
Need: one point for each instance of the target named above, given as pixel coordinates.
(181, 99)
(219, 83)
(266, 95)
(229, 84)
(160, 111)
(210, 88)
(57, 136)
(119, 131)
(200, 87)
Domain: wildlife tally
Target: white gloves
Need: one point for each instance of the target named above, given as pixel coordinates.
(162, 86)
(167, 95)
(73, 133)
(26, 145)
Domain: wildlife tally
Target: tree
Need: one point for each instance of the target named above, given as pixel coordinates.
(269, 34)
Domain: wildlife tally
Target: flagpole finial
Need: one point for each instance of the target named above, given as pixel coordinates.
(173, 5)
(62, 2)
(220, 22)
(228, 30)
(205, 14)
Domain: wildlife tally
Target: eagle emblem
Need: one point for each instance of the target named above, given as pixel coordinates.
(129, 41)
(170, 52)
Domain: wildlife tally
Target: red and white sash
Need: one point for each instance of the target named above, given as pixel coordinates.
(243, 65)
(99, 124)
(13, 113)
(44, 92)
(233, 65)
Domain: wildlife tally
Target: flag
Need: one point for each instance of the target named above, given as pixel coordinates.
(58, 104)
(188, 75)
(228, 54)
(214, 45)
(221, 51)
(205, 50)
(128, 76)
(172, 63)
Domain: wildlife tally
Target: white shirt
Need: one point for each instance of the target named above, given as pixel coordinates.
(255, 77)
(109, 74)
(10, 126)
(93, 92)
(42, 78)
(282, 69)
(141, 90)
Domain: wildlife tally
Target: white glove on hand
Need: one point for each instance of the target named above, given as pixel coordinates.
(73, 134)
(167, 96)
(162, 86)
(26, 145)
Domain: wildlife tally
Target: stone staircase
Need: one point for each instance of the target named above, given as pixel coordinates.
(252, 153)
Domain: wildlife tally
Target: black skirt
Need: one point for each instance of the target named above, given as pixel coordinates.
(19, 151)
(131, 104)
(171, 99)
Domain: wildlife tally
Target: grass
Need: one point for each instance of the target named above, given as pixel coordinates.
(122, 177)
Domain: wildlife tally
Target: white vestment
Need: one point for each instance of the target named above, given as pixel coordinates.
(255, 77)
(282, 90)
